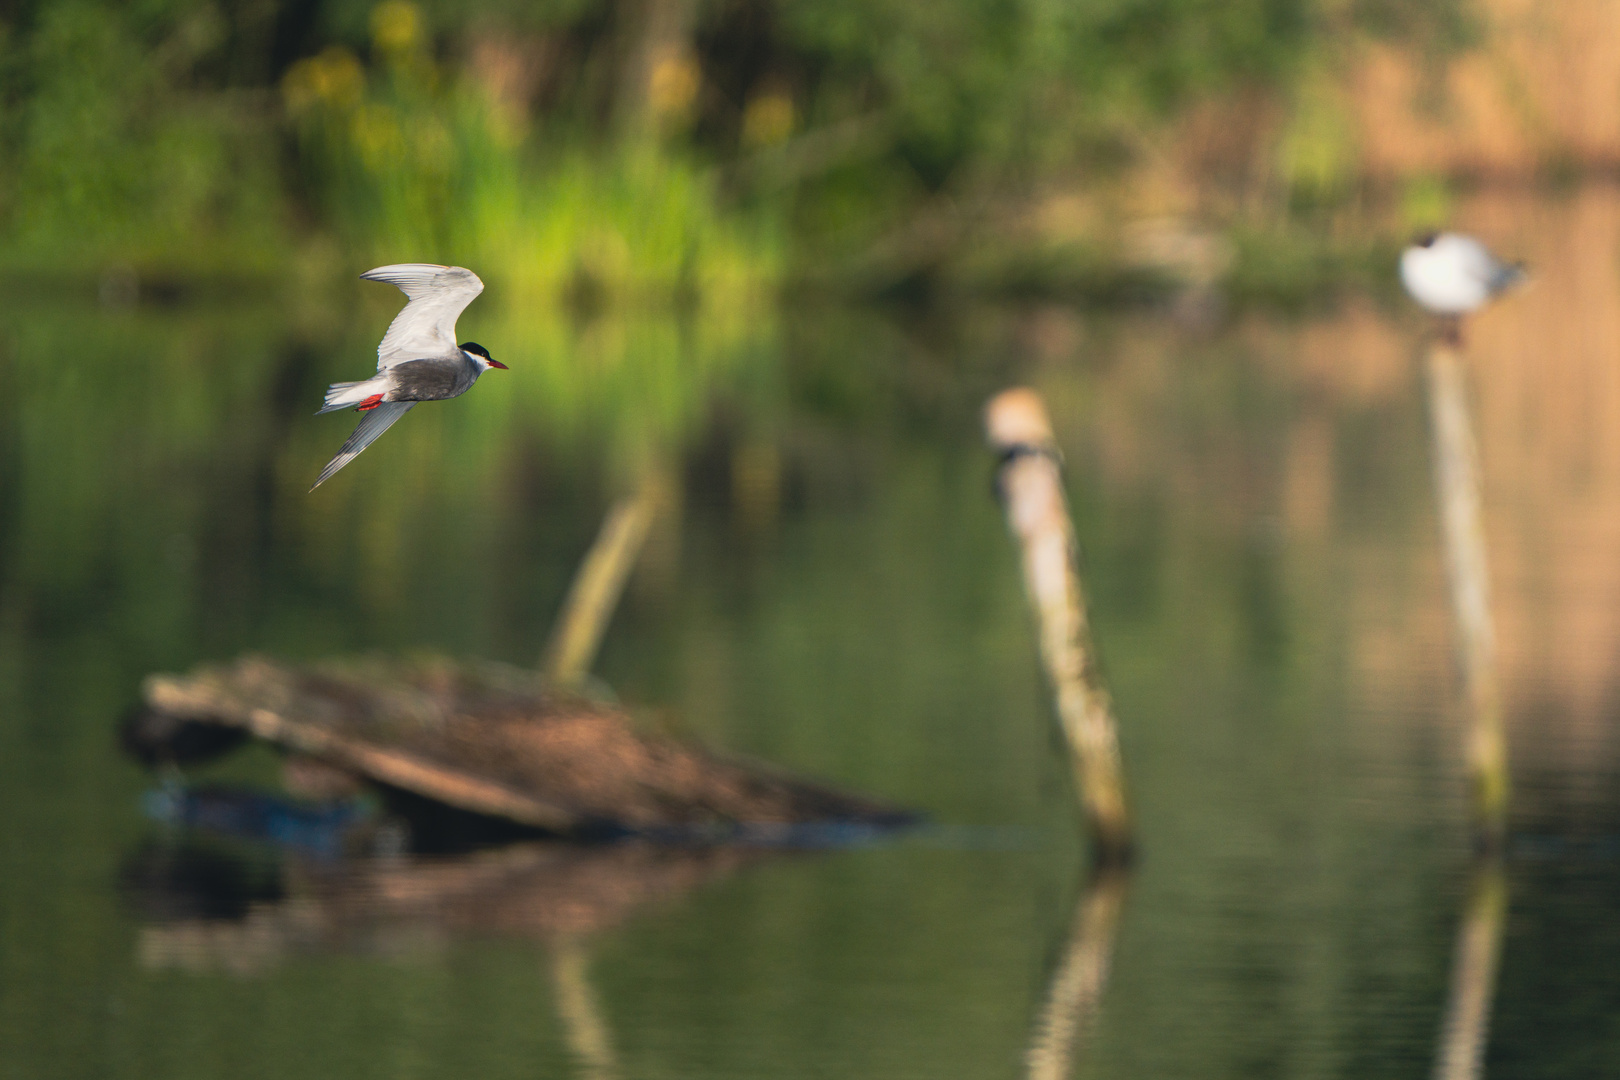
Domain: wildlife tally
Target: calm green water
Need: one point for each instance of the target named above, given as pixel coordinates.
(837, 595)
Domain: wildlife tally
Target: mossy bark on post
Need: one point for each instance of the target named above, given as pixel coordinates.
(1457, 485)
(597, 586)
(1031, 485)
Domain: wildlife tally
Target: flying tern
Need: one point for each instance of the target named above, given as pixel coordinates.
(418, 359)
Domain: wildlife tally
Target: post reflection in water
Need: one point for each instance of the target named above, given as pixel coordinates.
(580, 1009)
(1464, 1033)
(1074, 995)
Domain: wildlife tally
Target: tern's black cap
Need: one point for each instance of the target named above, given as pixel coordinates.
(474, 348)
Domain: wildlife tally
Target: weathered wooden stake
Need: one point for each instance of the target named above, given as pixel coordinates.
(1074, 995)
(1456, 477)
(596, 588)
(1031, 483)
(1463, 1033)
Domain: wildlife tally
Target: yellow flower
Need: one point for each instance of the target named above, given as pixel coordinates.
(673, 83)
(396, 26)
(333, 79)
(768, 120)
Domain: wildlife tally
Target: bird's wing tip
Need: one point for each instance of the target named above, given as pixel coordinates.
(384, 273)
(411, 277)
(372, 424)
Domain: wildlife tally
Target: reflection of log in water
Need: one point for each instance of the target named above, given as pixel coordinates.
(1461, 1055)
(1456, 472)
(543, 891)
(1031, 483)
(1075, 993)
(556, 894)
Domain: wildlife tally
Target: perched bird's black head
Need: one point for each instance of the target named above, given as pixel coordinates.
(478, 350)
(1423, 240)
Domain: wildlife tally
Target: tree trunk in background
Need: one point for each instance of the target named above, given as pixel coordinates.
(658, 76)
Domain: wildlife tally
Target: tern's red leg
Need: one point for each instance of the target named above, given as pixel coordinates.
(370, 403)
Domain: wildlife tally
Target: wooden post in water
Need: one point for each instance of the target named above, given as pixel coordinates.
(1031, 484)
(1456, 477)
(1074, 995)
(598, 584)
(1473, 976)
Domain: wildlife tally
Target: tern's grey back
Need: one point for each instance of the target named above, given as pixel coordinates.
(433, 379)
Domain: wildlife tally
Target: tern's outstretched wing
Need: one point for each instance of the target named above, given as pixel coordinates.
(427, 326)
(374, 423)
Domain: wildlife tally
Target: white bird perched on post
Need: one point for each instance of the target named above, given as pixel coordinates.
(1451, 274)
(418, 359)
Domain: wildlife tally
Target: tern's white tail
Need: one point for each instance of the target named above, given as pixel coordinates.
(372, 424)
(346, 395)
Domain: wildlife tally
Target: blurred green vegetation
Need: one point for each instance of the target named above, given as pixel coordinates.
(626, 149)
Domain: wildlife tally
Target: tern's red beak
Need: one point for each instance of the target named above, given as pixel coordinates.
(497, 363)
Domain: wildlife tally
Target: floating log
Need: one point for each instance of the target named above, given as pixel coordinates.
(494, 741)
